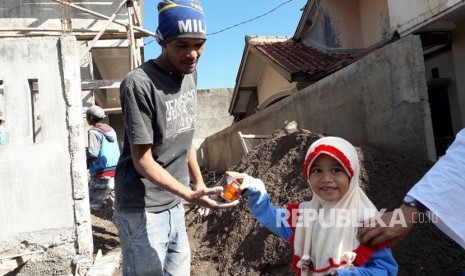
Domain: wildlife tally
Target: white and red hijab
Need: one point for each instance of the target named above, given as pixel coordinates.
(331, 247)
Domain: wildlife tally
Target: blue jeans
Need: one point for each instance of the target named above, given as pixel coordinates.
(154, 243)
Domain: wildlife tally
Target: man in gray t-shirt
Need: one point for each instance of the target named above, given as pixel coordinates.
(159, 104)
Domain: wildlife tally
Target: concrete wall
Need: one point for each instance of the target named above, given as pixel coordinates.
(272, 86)
(458, 53)
(212, 115)
(380, 100)
(43, 183)
(117, 123)
(408, 15)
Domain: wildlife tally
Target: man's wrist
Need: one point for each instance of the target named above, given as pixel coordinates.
(411, 214)
(413, 202)
(199, 186)
(189, 196)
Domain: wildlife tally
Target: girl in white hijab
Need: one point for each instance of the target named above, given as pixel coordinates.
(323, 231)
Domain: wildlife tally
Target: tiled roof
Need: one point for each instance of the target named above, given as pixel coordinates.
(301, 60)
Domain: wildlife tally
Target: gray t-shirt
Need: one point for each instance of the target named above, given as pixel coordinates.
(158, 109)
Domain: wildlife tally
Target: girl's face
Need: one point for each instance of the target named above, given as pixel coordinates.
(328, 178)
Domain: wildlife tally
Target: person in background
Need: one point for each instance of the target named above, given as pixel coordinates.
(323, 231)
(439, 195)
(159, 104)
(102, 157)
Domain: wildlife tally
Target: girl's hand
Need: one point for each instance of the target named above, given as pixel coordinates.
(243, 176)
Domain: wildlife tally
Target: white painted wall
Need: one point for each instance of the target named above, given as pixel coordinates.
(374, 16)
(271, 83)
(336, 25)
(411, 14)
(349, 24)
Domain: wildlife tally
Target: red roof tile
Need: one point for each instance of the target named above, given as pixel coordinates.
(299, 59)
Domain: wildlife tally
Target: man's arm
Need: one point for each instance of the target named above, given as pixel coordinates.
(444, 179)
(147, 167)
(373, 234)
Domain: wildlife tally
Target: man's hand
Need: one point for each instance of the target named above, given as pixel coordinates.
(201, 211)
(211, 198)
(374, 233)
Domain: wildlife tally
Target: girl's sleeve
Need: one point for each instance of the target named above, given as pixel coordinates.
(382, 263)
(274, 219)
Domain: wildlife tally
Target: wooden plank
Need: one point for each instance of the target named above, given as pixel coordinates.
(20, 255)
(242, 138)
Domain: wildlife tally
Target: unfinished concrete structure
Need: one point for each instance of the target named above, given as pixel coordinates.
(57, 57)
(45, 209)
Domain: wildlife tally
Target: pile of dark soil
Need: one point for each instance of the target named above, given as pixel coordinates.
(231, 242)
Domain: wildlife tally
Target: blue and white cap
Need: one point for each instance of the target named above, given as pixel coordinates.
(95, 112)
(180, 19)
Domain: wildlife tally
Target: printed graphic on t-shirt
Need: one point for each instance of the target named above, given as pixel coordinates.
(180, 114)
